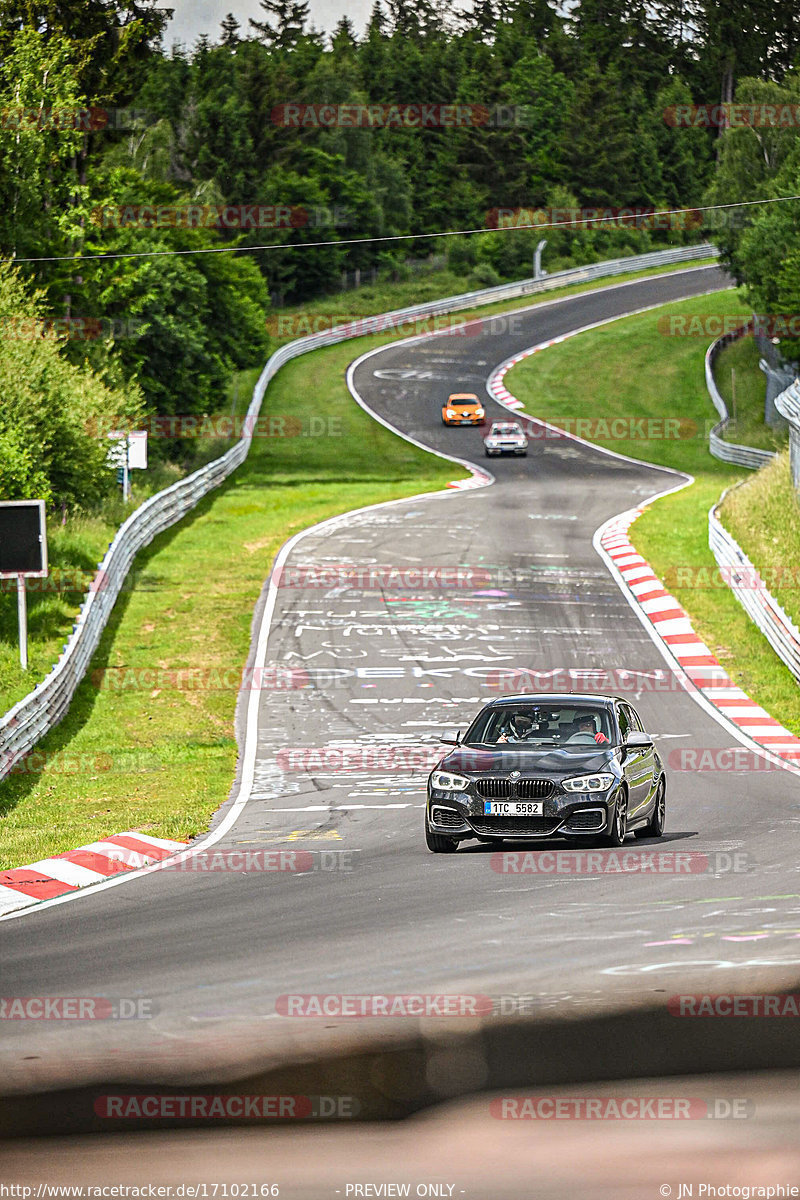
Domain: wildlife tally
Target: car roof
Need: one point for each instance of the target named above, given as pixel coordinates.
(462, 396)
(556, 697)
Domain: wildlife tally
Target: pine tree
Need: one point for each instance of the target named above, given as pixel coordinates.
(287, 24)
(230, 31)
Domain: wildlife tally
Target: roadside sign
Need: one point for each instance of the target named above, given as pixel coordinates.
(128, 452)
(23, 553)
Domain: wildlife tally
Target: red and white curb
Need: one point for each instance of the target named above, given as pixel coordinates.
(477, 479)
(65, 873)
(495, 383)
(674, 628)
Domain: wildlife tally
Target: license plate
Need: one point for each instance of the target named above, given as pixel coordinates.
(513, 808)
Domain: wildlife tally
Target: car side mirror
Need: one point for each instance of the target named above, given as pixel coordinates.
(450, 737)
(636, 740)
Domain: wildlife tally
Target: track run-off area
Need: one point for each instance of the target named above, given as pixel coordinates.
(332, 773)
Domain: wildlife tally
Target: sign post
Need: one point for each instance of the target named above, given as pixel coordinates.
(23, 554)
(22, 613)
(128, 452)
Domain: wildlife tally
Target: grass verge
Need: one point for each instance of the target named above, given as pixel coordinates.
(763, 515)
(742, 385)
(629, 371)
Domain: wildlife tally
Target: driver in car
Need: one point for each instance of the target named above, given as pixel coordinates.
(518, 728)
(586, 725)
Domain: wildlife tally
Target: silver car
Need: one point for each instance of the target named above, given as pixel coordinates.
(505, 437)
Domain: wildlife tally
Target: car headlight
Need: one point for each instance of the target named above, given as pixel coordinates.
(449, 413)
(447, 782)
(479, 412)
(588, 783)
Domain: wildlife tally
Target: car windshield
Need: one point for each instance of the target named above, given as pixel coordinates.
(505, 427)
(571, 725)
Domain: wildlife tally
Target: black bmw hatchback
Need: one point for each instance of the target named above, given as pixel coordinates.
(540, 766)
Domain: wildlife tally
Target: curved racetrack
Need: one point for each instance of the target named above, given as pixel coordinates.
(214, 950)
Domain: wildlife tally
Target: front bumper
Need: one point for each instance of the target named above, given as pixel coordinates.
(461, 815)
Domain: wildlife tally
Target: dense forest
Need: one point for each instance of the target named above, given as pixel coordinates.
(314, 147)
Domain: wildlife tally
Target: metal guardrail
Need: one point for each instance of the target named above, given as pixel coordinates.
(38, 712)
(730, 452)
(788, 405)
(750, 590)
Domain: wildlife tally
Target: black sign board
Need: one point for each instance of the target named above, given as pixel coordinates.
(23, 540)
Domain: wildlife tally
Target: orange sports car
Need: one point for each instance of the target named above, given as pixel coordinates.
(463, 408)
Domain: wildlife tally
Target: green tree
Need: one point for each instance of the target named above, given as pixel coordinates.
(54, 415)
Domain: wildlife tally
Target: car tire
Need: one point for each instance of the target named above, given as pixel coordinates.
(437, 843)
(619, 821)
(655, 826)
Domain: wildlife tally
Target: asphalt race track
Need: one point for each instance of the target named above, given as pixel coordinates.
(383, 667)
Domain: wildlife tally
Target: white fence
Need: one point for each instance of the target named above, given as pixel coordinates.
(788, 405)
(29, 720)
(750, 590)
(730, 452)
